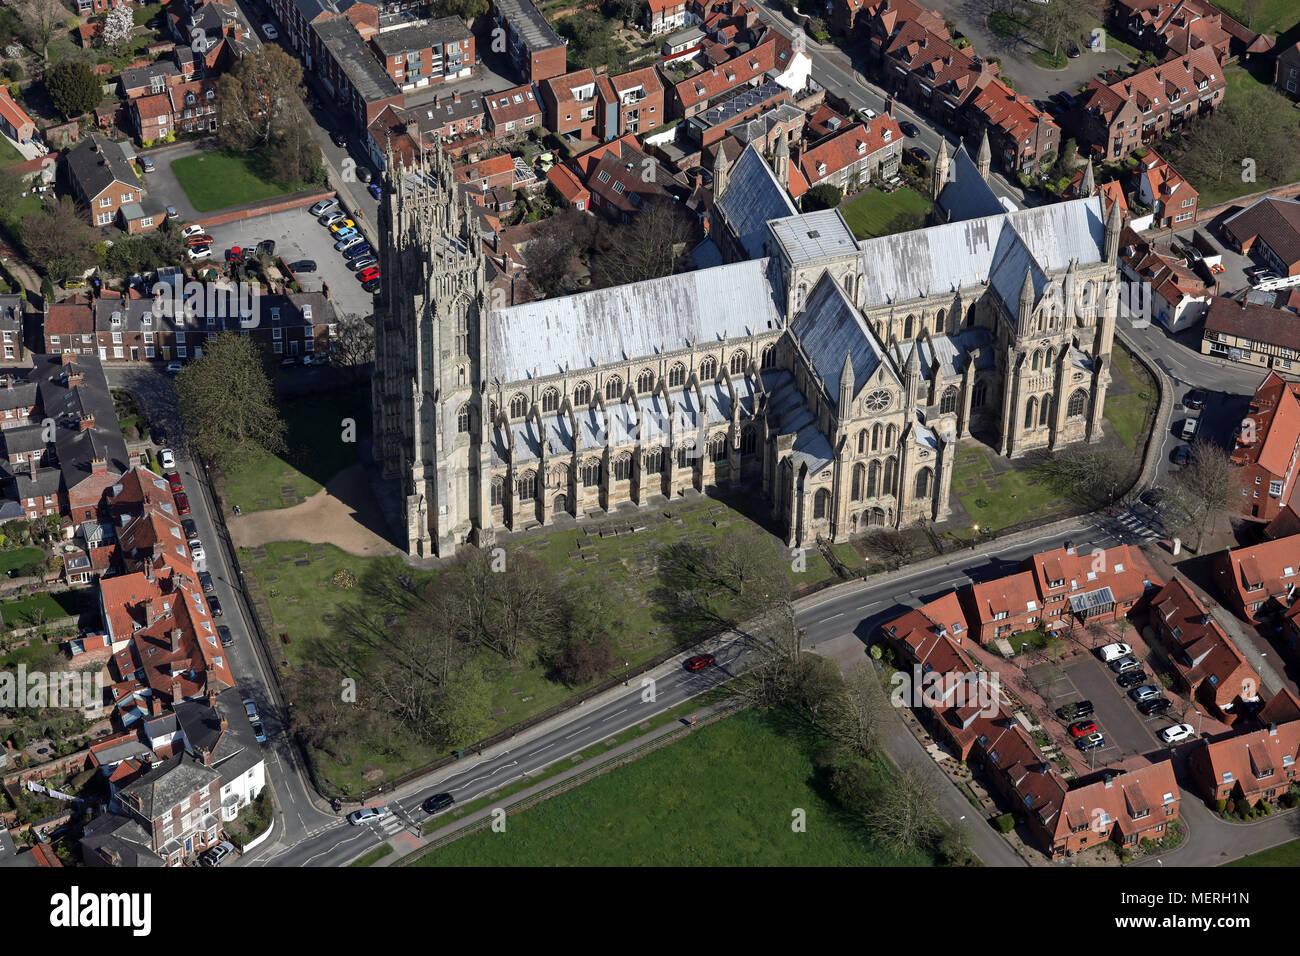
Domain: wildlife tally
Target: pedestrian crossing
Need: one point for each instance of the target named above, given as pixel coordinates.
(392, 825)
(1138, 526)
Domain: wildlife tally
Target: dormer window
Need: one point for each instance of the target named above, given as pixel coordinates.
(116, 318)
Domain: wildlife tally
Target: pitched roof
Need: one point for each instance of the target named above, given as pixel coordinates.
(1254, 761)
(829, 329)
(1129, 801)
(751, 199)
(1012, 595)
(1275, 221)
(1199, 648)
(1275, 565)
(848, 146)
(13, 114)
(1270, 432)
(97, 163)
(1250, 320)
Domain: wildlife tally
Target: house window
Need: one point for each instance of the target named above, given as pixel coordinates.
(105, 202)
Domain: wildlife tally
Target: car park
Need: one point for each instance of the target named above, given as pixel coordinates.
(1075, 710)
(194, 253)
(1195, 399)
(1145, 692)
(227, 637)
(1091, 742)
(1082, 728)
(353, 250)
(1177, 733)
(303, 265)
(205, 581)
(347, 234)
(196, 551)
(1155, 706)
(332, 217)
(250, 708)
(699, 662)
(1126, 664)
(365, 262)
(217, 855)
(437, 802)
(174, 481)
(1132, 678)
(1113, 652)
(214, 604)
(367, 815)
(347, 243)
(183, 503)
(324, 206)
(193, 229)
(166, 458)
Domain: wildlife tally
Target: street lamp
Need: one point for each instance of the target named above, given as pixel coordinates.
(625, 667)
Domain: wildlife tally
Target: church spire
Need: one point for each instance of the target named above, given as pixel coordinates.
(1026, 297)
(846, 386)
(940, 170)
(1088, 185)
(1114, 225)
(781, 161)
(985, 157)
(720, 170)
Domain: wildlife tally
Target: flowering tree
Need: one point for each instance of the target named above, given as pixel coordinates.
(119, 23)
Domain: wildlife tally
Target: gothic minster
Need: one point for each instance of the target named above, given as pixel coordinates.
(834, 376)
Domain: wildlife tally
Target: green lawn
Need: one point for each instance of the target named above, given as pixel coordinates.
(317, 452)
(997, 500)
(16, 559)
(9, 152)
(374, 856)
(1128, 414)
(1275, 16)
(723, 796)
(871, 214)
(1288, 854)
(221, 179)
(21, 613)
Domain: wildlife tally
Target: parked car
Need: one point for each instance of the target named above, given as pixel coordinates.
(1152, 497)
(174, 480)
(191, 530)
(1091, 742)
(183, 503)
(1073, 52)
(166, 458)
(347, 234)
(173, 368)
(376, 190)
(289, 361)
(1082, 728)
(259, 732)
(699, 662)
(214, 605)
(193, 229)
(198, 252)
(1113, 652)
(361, 248)
(372, 286)
(364, 174)
(341, 224)
(324, 206)
(227, 637)
(270, 31)
(365, 262)
(332, 217)
(439, 801)
(147, 164)
(1132, 678)
(1182, 455)
(172, 213)
(1075, 710)
(909, 129)
(234, 254)
(250, 707)
(205, 581)
(1195, 399)
(1145, 692)
(1177, 733)
(203, 239)
(1189, 429)
(1155, 706)
(870, 113)
(216, 855)
(917, 155)
(339, 138)
(349, 242)
(1125, 664)
(196, 550)
(367, 815)
(365, 275)
(303, 265)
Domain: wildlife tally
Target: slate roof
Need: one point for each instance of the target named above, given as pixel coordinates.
(419, 36)
(168, 784)
(84, 163)
(752, 198)
(830, 328)
(966, 195)
(356, 60)
(950, 351)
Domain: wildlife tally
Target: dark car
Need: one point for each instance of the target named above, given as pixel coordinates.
(289, 361)
(376, 190)
(917, 155)
(158, 435)
(215, 605)
(205, 579)
(357, 251)
(227, 638)
(1155, 706)
(338, 137)
(1152, 497)
(1075, 710)
(1196, 399)
(183, 503)
(1131, 679)
(909, 129)
(1182, 455)
(1074, 52)
(372, 286)
(439, 801)
(699, 662)
(266, 247)
(174, 480)
(364, 174)
(1091, 742)
(303, 265)
(190, 528)
(259, 732)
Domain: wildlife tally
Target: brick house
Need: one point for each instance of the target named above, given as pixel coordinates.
(429, 52)
(1020, 134)
(1267, 449)
(663, 16)
(1260, 578)
(11, 327)
(1271, 227)
(697, 93)
(569, 104)
(178, 803)
(535, 49)
(487, 175)
(103, 181)
(1286, 75)
(1174, 26)
(14, 121)
(347, 64)
(631, 102)
(1170, 197)
(513, 112)
(1116, 119)
(1126, 807)
(1251, 333)
(1209, 666)
(1080, 588)
(184, 108)
(856, 156)
(569, 186)
(1003, 607)
(1253, 766)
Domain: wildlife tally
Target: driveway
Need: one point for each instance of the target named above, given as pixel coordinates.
(298, 235)
(1127, 732)
(162, 184)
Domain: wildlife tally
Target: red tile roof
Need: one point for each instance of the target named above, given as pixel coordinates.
(1132, 801)
(512, 105)
(1014, 595)
(568, 185)
(1199, 649)
(1270, 433)
(1274, 565)
(847, 147)
(1156, 87)
(1255, 761)
(1013, 114)
(12, 112)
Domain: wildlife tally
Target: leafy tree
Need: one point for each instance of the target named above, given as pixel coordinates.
(467, 10)
(226, 402)
(259, 99)
(463, 711)
(59, 238)
(295, 156)
(73, 87)
(624, 10)
(823, 196)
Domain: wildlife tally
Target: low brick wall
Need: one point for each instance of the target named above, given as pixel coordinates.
(266, 208)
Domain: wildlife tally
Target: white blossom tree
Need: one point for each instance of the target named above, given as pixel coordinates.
(119, 23)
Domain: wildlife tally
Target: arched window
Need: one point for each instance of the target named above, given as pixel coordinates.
(613, 388)
(492, 413)
(497, 489)
(623, 467)
(645, 382)
(1038, 359)
(462, 419)
(677, 376)
(859, 482)
(749, 440)
(686, 455)
(591, 473)
(909, 327)
(527, 486)
(889, 438)
(1031, 412)
(938, 323)
(739, 362)
(979, 394)
(875, 517)
(769, 358)
(1045, 409)
(518, 406)
(582, 394)
(875, 438)
(708, 369)
(821, 504)
(948, 404)
(1051, 359)
(862, 441)
(891, 477)
(1078, 401)
(551, 400)
(654, 461)
(560, 476)
(718, 448)
(873, 479)
(923, 478)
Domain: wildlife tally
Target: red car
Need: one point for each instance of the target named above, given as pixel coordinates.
(182, 503)
(234, 254)
(202, 239)
(1082, 728)
(365, 275)
(699, 662)
(174, 479)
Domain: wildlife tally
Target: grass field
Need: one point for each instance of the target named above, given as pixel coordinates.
(16, 559)
(997, 500)
(317, 452)
(1128, 414)
(21, 613)
(221, 179)
(871, 214)
(1288, 854)
(723, 796)
(1240, 83)
(1275, 16)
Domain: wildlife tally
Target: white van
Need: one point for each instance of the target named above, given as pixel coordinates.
(1189, 429)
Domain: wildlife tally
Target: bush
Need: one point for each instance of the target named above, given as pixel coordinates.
(1219, 805)
(1265, 808)
(824, 196)
(1230, 806)
(14, 71)
(1005, 823)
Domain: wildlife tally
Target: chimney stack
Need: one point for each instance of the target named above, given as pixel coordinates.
(98, 465)
(86, 422)
(175, 635)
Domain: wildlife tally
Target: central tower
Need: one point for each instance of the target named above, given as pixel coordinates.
(431, 353)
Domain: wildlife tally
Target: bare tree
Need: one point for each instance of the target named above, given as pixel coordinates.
(1057, 23)
(655, 243)
(259, 98)
(903, 813)
(1205, 490)
(42, 18)
(353, 345)
(864, 708)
